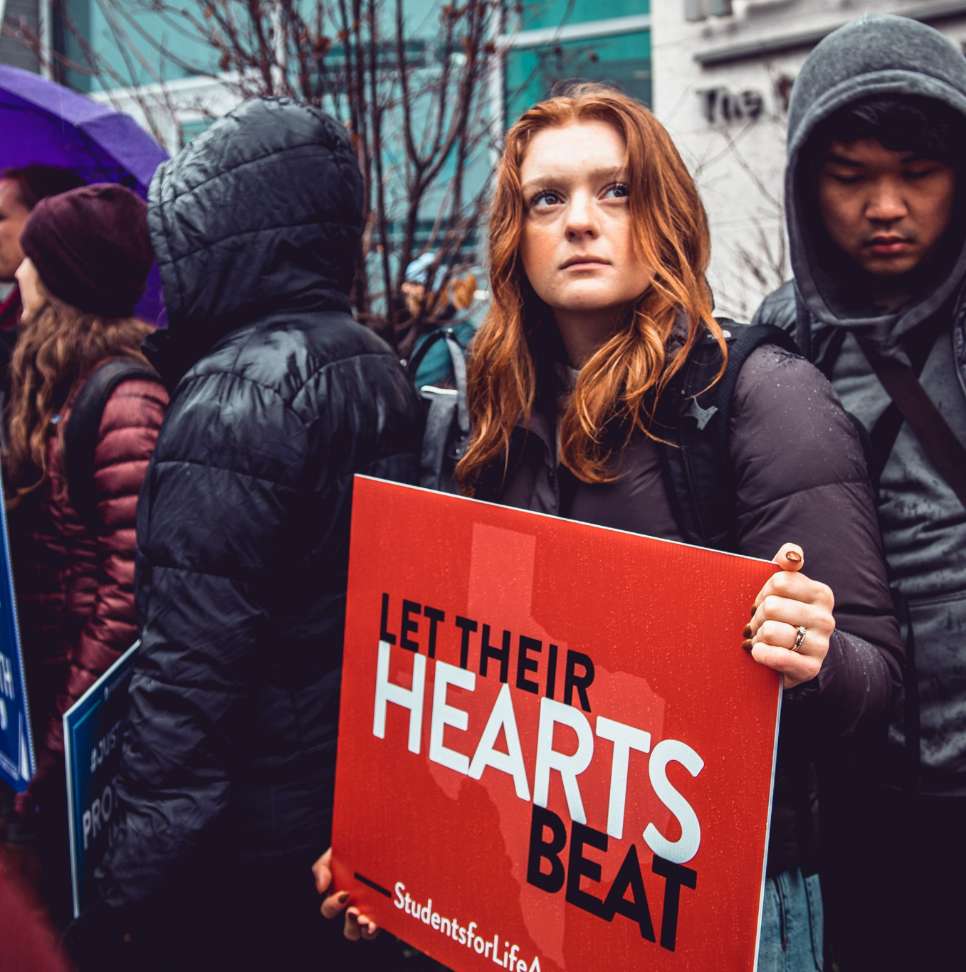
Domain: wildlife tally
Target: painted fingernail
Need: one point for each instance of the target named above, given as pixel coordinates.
(747, 645)
(754, 608)
(747, 633)
(793, 556)
(342, 897)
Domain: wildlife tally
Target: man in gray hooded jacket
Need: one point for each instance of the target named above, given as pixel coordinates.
(874, 199)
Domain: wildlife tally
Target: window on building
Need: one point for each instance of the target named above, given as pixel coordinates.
(134, 43)
(556, 13)
(620, 59)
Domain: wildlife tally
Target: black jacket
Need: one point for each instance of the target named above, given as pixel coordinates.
(278, 398)
(799, 475)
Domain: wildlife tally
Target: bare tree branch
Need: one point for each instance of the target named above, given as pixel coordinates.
(412, 95)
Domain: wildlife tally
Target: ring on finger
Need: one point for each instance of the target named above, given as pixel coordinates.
(801, 632)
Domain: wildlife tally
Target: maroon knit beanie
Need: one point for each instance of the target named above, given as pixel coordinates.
(91, 248)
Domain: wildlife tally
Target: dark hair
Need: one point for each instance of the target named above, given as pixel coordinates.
(36, 182)
(905, 123)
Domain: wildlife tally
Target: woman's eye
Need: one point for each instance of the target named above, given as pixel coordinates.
(845, 179)
(619, 190)
(544, 198)
(915, 174)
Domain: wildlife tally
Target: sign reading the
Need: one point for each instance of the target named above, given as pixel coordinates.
(720, 105)
(553, 753)
(93, 729)
(17, 765)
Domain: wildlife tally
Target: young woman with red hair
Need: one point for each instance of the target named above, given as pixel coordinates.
(598, 250)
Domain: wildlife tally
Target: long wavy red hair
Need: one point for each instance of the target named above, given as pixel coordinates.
(620, 385)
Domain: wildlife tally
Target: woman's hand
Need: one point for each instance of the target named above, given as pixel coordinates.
(792, 620)
(355, 926)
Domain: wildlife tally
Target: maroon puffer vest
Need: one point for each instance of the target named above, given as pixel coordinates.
(75, 586)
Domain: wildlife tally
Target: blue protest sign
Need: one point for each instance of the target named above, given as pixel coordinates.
(17, 765)
(93, 727)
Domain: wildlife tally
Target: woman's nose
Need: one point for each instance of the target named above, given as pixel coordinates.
(581, 217)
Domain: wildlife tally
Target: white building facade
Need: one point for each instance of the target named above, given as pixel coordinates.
(721, 82)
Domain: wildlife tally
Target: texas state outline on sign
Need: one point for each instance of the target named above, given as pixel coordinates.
(538, 768)
(492, 549)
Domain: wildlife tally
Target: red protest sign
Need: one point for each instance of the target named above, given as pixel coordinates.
(553, 753)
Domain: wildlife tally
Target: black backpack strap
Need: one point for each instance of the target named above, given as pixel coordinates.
(946, 453)
(803, 326)
(823, 352)
(885, 432)
(80, 436)
(695, 421)
(457, 358)
(416, 358)
(447, 427)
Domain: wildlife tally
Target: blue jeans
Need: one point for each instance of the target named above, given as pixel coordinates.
(791, 924)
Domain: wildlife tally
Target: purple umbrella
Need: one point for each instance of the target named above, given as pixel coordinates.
(41, 121)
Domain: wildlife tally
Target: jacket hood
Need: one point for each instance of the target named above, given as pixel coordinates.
(260, 215)
(872, 56)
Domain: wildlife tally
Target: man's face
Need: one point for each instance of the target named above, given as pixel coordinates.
(13, 215)
(884, 209)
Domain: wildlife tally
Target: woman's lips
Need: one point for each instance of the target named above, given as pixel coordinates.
(585, 265)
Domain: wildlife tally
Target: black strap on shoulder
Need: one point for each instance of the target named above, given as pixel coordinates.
(416, 358)
(877, 442)
(824, 353)
(80, 436)
(695, 420)
(803, 326)
(826, 360)
(946, 453)
(885, 432)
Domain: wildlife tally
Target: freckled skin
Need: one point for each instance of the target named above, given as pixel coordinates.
(576, 205)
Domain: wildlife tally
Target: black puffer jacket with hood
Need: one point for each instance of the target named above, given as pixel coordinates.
(923, 523)
(278, 398)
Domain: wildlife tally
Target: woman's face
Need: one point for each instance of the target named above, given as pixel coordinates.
(31, 294)
(577, 245)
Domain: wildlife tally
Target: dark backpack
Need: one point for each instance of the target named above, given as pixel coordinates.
(80, 436)
(696, 463)
(696, 423)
